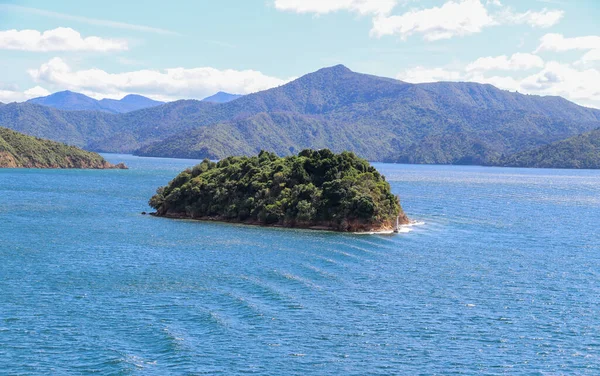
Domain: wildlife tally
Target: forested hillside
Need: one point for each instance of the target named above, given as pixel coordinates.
(582, 151)
(19, 150)
(378, 118)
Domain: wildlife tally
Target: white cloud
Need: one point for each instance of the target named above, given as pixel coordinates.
(328, 6)
(454, 18)
(168, 84)
(86, 20)
(580, 85)
(558, 43)
(592, 56)
(501, 82)
(59, 39)
(7, 96)
(421, 74)
(543, 19)
(518, 61)
(566, 81)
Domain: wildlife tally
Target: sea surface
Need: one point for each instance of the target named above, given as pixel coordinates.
(503, 277)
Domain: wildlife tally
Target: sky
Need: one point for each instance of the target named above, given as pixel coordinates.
(192, 49)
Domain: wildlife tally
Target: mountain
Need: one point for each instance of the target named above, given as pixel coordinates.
(381, 119)
(222, 97)
(20, 151)
(72, 127)
(131, 102)
(581, 151)
(281, 132)
(70, 101)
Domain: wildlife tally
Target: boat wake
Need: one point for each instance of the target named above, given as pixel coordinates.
(402, 229)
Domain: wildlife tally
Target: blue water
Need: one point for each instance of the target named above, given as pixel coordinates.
(503, 278)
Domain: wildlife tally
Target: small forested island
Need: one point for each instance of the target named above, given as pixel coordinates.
(21, 151)
(315, 189)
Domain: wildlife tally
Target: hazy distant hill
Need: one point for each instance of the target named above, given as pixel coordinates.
(222, 97)
(378, 118)
(21, 151)
(70, 101)
(131, 102)
(581, 151)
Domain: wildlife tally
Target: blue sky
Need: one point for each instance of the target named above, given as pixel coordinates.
(191, 49)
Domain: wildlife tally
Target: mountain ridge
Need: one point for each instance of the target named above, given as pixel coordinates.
(222, 97)
(382, 119)
(71, 101)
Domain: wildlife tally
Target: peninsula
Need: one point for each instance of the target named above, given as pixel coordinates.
(314, 189)
(21, 151)
(579, 152)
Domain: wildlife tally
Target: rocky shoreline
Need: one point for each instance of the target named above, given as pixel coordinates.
(353, 227)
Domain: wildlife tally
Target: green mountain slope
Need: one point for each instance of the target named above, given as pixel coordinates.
(378, 118)
(581, 151)
(284, 133)
(19, 150)
(385, 119)
(71, 127)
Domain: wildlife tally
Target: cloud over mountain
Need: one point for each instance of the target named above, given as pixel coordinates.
(167, 84)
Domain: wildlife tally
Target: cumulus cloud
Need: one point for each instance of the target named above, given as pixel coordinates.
(580, 85)
(168, 84)
(575, 83)
(59, 39)
(592, 56)
(422, 74)
(328, 6)
(458, 18)
(518, 61)
(7, 96)
(543, 19)
(558, 43)
(454, 18)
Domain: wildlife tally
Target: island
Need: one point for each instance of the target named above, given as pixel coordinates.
(315, 189)
(21, 151)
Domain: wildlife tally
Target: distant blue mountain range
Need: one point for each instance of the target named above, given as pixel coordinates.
(71, 101)
(222, 97)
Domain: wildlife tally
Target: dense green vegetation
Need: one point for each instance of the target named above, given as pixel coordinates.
(282, 133)
(312, 189)
(382, 119)
(582, 151)
(19, 150)
(377, 118)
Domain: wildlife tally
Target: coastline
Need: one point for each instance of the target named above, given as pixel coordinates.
(384, 229)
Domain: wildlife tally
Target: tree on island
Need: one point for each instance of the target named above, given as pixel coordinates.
(312, 189)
